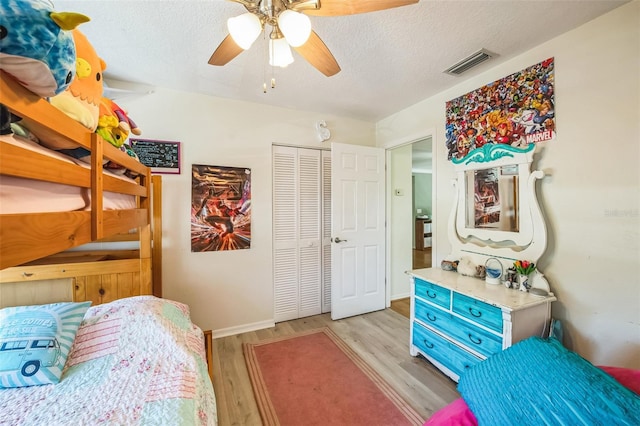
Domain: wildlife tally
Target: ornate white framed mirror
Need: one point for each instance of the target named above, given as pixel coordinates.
(497, 213)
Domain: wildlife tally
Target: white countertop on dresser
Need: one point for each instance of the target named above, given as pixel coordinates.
(496, 295)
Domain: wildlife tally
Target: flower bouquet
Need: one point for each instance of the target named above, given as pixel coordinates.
(524, 268)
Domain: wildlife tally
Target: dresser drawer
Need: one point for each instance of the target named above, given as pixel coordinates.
(474, 337)
(477, 311)
(433, 293)
(435, 317)
(458, 329)
(451, 356)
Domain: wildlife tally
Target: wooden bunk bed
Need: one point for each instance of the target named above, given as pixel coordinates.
(130, 358)
(33, 246)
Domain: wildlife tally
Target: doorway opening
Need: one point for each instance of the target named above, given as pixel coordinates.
(409, 210)
(422, 187)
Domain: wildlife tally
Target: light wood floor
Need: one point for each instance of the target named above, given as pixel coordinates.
(402, 306)
(380, 338)
(422, 258)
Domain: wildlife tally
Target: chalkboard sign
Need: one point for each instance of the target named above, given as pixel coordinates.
(160, 156)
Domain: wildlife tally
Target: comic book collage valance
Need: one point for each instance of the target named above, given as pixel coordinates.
(516, 110)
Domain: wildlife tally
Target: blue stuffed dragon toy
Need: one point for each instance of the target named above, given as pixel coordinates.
(36, 45)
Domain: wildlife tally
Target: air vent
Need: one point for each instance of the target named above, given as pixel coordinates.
(469, 62)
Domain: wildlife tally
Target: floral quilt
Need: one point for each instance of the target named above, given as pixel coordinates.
(135, 361)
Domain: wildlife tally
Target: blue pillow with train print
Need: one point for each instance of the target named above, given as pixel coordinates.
(35, 342)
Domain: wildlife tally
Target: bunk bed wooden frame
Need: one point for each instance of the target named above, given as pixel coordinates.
(36, 263)
(33, 245)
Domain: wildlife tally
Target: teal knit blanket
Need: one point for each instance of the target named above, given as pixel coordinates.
(539, 382)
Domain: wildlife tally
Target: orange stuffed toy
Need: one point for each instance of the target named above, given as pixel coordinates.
(82, 98)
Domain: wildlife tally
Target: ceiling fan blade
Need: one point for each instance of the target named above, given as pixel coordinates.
(317, 54)
(226, 51)
(345, 7)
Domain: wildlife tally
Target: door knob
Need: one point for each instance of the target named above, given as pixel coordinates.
(338, 240)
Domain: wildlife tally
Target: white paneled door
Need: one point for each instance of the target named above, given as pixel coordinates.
(357, 230)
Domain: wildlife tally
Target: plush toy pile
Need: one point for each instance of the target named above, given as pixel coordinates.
(45, 52)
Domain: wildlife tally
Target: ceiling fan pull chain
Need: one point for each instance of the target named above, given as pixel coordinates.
(264, 66)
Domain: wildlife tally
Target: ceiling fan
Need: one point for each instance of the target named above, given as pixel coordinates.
(291, 27)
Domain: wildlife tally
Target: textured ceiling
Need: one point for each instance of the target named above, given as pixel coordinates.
(390, 59)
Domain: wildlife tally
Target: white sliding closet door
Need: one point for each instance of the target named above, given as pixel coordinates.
(298, 236)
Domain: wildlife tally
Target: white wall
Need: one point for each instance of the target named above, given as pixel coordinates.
(423, 192)
(592, 196)
(229, 291)
(400, 220)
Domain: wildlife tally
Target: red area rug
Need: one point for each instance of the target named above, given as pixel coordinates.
(315, 378)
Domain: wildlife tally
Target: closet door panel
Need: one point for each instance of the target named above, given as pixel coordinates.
(285, 195)
(286, 296)
(310, 281)
(285, 231)
(326, 231)
(310, 226)
(309, 192)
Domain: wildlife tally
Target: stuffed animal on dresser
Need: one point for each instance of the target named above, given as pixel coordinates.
(470, 269)
(36, 46)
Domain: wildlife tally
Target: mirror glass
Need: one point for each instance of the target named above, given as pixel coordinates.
(492, 198)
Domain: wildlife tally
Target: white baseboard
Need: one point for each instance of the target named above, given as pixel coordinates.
(400, 296)
(245, 328)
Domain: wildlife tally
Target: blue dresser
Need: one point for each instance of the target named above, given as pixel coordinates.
(457, 321)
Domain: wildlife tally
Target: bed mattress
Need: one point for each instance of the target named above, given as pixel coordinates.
(134, 361)
(20, 195)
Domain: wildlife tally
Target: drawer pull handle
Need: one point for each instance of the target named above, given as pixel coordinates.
(431, 295)
(101, 291)
(430, 317)
(474, 340)
(428, 345)
(472, 312)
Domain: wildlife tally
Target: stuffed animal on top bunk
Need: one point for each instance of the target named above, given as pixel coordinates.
(5, 120)
(81, 100)
(114, 126)
(36, 46)
(118, 169)
(10, 126)
(124, 121)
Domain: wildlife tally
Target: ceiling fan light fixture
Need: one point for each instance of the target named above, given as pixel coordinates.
(295, 27)
(244, 29)
(279, 53)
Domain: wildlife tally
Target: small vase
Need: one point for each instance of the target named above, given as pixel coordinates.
(523, 280)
